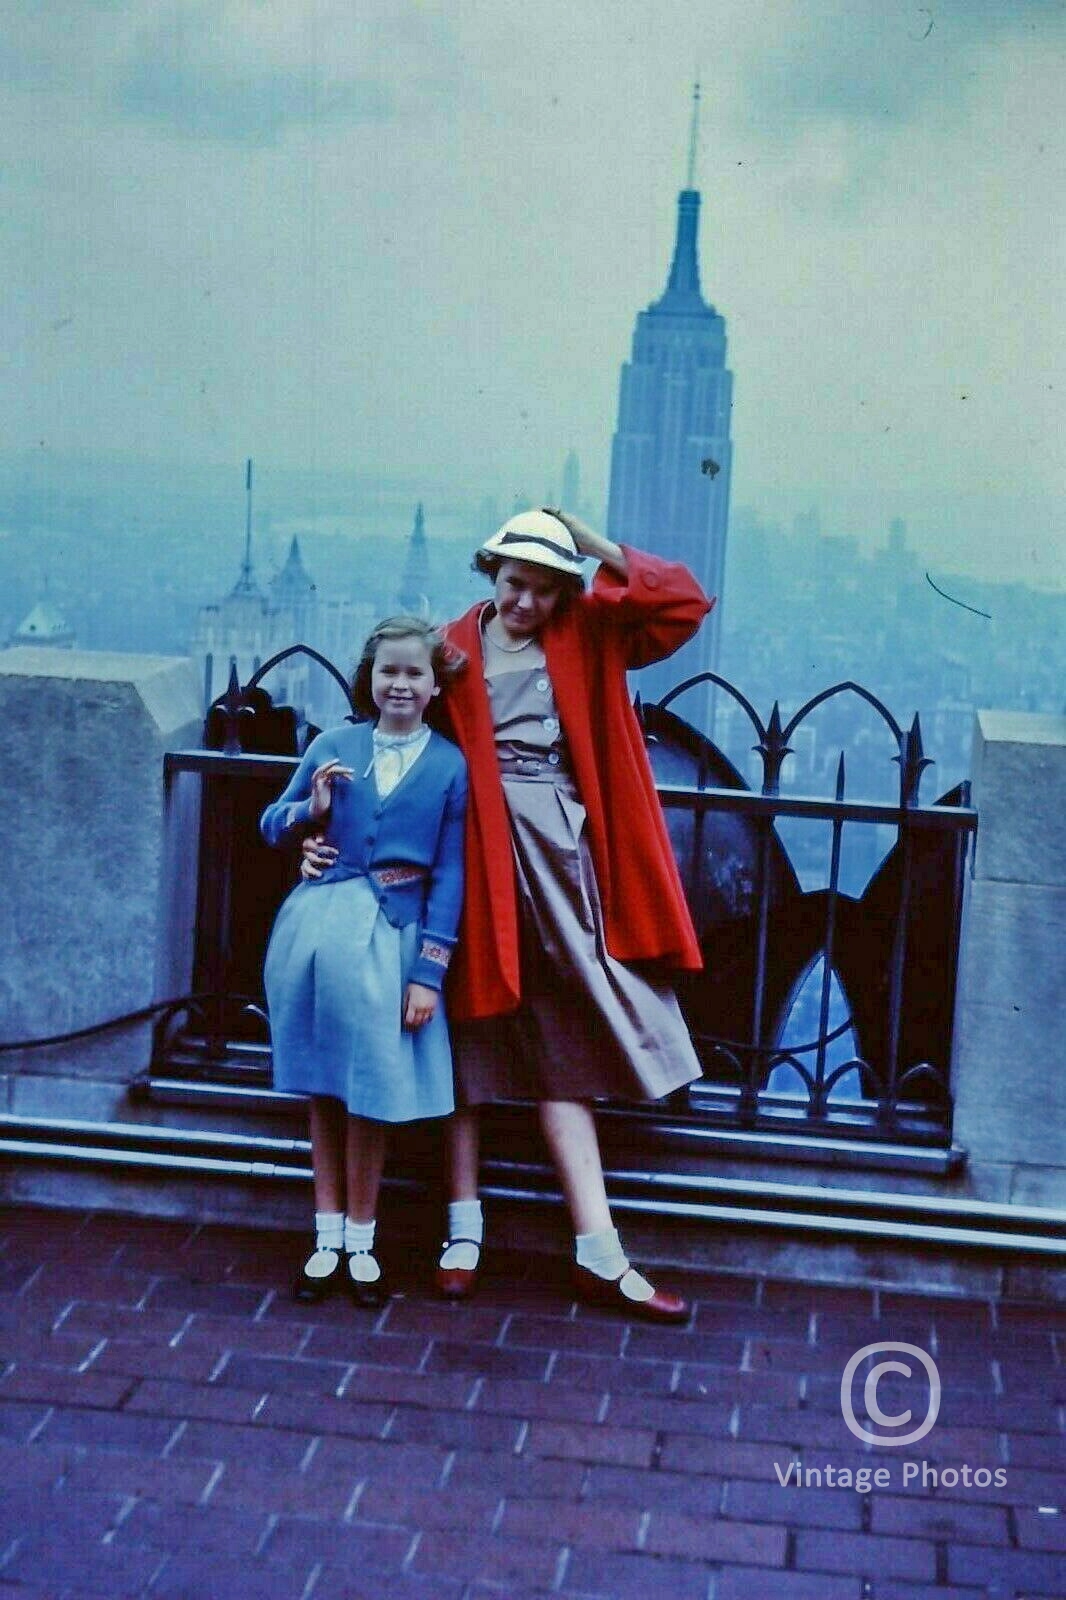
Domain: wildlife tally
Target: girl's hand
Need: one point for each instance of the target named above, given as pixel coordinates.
(318, 855)
(579, 531)
(322, 786)
(590, 543)
(419, 1004)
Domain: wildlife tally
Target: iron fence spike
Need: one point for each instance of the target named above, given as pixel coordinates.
(773, 749)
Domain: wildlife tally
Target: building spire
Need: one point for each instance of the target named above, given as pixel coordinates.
(246, 582)
(693, 137)
(683, 285)
(246, 564)
(413, 594)
(683, 295)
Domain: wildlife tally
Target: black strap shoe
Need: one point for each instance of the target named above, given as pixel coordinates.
(367, 1296)
(309, 1287)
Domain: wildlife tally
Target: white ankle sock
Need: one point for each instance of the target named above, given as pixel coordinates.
(602, 1254)
(329, 1230)
(466, 1222)
(329, 1238)
(359, 1243)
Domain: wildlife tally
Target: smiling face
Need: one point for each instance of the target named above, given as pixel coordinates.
(402, 683)
(526, 596)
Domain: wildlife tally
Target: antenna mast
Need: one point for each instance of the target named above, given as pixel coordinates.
(246, 569)
(693, 138)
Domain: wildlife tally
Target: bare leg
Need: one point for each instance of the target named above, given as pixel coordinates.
(570, 1132)
(366, 1161)
(321, 1271)
(327, 1152)
(462, 1147)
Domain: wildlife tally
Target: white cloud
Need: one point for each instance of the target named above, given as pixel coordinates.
(233, 70)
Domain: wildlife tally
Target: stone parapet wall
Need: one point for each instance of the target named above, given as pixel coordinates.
(1010, 1089)
(86, 907)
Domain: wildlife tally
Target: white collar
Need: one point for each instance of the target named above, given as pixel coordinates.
(397, 741)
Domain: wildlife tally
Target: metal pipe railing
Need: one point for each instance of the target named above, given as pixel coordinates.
(811, 1208)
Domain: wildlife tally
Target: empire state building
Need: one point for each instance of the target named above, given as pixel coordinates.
(671, 455)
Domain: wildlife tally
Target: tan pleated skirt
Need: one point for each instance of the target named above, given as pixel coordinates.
(589, 1026)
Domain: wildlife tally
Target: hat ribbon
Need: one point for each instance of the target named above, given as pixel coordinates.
(536, 538)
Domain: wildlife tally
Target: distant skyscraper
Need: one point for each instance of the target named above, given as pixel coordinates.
(571, 500)
(250, 625)
(671, 455)
(413, 594)
(293, 589)
(239, 627)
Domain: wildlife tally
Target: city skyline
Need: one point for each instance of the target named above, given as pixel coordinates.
(411, 244)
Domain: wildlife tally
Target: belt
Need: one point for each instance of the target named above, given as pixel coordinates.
(549, 766)
(389, 877)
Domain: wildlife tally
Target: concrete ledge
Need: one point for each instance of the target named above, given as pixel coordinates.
(543, 1228)
(1010, 1094)
(819, 1226)
(1019, 784)
(83, 914)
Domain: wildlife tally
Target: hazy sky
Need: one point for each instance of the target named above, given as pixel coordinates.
(412, 238)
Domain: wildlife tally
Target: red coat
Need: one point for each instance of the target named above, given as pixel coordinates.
(617, 624)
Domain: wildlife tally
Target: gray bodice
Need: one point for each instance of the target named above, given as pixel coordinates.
(526, 723)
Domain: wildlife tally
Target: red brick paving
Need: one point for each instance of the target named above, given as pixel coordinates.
(173, 1427)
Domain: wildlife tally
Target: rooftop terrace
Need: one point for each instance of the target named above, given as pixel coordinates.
(172, 1426)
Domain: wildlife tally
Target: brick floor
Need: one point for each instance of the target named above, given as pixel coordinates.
(173, 1427)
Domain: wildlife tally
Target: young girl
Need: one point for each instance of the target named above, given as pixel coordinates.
(356, 959)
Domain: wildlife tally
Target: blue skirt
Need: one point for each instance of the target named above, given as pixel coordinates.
(335, 975)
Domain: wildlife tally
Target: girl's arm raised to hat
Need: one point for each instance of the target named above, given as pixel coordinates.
(657, 606)
(593, 544)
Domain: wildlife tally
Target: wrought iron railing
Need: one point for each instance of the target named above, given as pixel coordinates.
(821, 1011)
(883, 962)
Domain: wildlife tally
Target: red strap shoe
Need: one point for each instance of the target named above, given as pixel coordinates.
(458, 1283)
(596, 1291)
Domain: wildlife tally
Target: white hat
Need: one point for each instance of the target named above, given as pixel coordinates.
(539, 537)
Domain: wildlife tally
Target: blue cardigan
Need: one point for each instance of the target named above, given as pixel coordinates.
(419, 826)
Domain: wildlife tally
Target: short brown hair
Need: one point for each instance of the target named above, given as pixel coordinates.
(444, 658)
